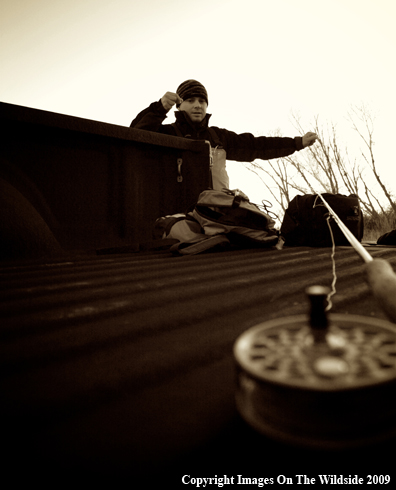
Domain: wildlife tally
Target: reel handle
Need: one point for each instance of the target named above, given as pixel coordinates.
(317, 296)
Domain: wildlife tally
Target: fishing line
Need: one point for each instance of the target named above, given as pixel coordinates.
(333, 288)
(379, 273)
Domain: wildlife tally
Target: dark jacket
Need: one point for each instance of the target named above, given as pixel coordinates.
(240, 147)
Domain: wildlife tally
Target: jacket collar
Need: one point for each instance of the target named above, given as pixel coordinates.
(184, 120)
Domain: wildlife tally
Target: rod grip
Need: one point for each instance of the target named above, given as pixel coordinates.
(382, 281)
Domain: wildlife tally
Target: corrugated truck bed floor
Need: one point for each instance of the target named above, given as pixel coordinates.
(123, 364)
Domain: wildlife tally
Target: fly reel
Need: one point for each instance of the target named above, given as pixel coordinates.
(319, 381)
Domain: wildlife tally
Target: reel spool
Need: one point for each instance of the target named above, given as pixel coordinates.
(319, 381)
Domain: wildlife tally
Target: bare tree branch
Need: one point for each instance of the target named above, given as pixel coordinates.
(325, 167)
(362, 114)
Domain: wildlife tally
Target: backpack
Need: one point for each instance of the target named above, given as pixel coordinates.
(229, 212)
(219, 218)
(305, 223)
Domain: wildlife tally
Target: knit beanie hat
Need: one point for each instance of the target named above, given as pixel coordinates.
(191, 88)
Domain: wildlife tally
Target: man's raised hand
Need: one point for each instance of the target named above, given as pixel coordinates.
(309, 139)
(170, 99)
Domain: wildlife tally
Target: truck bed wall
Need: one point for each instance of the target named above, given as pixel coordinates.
(97, 184)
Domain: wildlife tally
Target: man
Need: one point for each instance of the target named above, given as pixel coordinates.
(192, 121)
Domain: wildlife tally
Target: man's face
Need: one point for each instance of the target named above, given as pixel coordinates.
(195, 107)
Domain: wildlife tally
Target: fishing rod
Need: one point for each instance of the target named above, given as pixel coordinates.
(379, 273)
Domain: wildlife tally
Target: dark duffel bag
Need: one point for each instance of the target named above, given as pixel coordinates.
(387, 238)
(305, 220)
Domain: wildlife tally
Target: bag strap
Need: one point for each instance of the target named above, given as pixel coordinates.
(215, 137)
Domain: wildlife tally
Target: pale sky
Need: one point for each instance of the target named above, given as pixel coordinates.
(260, 60)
